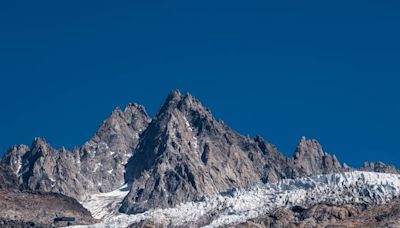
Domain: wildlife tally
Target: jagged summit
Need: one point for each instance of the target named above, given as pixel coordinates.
(97, 166)
(182, 102)
(185, 154)
(310, 158)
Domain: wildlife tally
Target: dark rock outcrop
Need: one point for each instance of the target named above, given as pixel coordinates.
(379, 167)
(8, 180)
(322, 215)
(32, 209)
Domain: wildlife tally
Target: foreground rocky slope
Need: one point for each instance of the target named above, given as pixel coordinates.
(20, 208)
(27, 209)
(186, 154)
(323, 215)
(98, 166)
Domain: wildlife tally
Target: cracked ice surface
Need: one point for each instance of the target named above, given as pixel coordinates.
(240, 205)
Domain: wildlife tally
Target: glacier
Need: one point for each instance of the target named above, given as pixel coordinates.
(240, 205)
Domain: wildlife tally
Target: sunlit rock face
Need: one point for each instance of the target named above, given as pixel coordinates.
(186, 154)
(98, 166)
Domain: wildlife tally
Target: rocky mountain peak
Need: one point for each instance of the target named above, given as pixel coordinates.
(39, 145)
(379, 167)
(170, 102)
(185, 154)
(311, 158)
(185, 104)
(308, 148)
(13, 158)
(97, 166)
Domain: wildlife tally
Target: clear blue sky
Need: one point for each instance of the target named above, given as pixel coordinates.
(282, 69)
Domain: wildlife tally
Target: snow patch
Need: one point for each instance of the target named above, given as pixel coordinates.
(187, 124)
(19, 167)
(96, 167)
(105, 205)
(195, 143)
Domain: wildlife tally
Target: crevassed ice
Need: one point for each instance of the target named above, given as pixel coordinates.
(240, 205)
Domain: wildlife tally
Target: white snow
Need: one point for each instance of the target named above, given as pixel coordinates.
(195, 143)
(18, 171)
(105, 205)
(187, 124)
(240, 205)
(96, 167)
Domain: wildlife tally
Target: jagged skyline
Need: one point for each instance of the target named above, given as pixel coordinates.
(290, 146)
(278, 69)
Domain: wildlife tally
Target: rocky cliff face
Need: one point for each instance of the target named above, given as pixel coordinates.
(186, 154)
(98, 166)
(310, 159)
(8, 180)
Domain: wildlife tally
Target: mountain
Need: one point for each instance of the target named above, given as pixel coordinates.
(186, 154)
(98, 166)
(184, 166)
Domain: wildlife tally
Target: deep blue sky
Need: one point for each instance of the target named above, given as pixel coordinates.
(282, 69)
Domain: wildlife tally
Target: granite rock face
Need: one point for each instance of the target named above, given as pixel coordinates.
(186, 154)
(8, 180)
(310, 159)
(98, 166)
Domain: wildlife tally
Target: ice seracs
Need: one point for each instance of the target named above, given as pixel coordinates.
(241, 205)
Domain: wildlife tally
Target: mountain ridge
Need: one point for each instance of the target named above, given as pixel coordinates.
(180, 155)
(186, 154)
(97, 166)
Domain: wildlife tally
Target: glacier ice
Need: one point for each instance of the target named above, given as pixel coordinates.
(242, 204)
